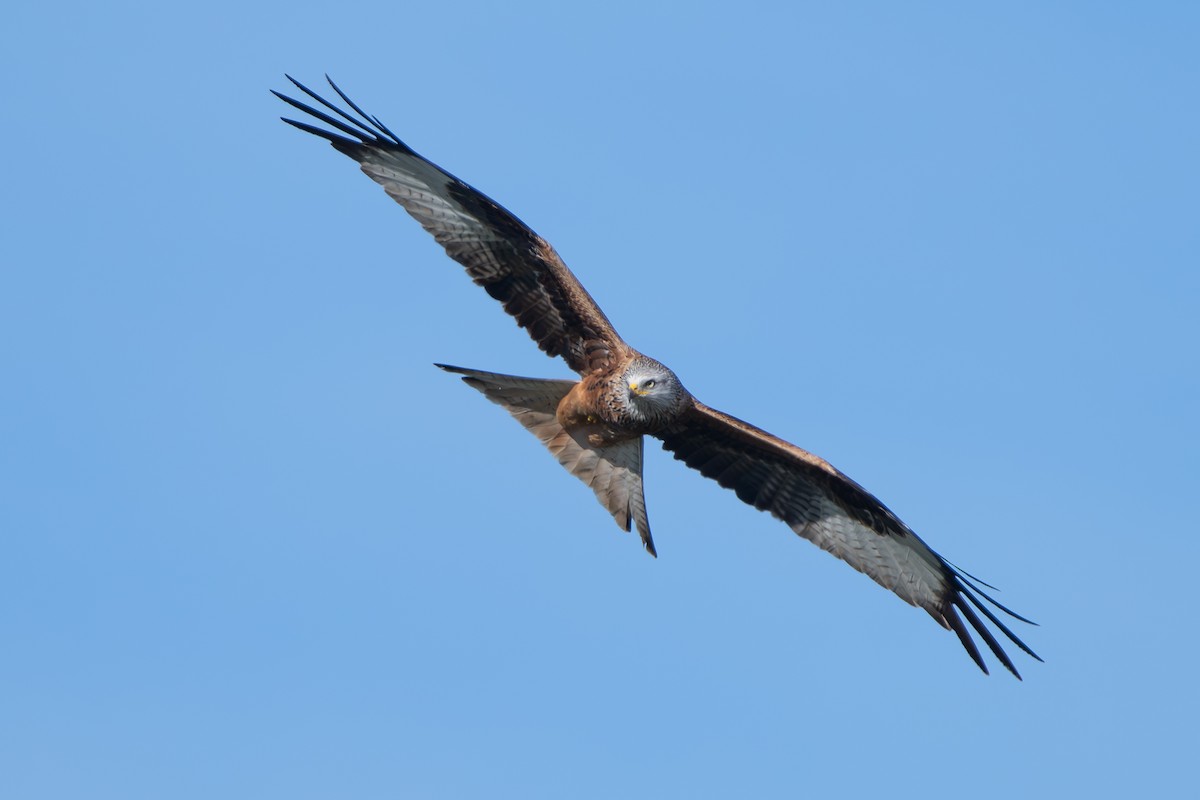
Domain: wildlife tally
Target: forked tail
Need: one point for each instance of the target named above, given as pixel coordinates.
(614, 472)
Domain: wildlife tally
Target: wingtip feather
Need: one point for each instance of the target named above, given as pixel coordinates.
(955, 623)
(988, 637)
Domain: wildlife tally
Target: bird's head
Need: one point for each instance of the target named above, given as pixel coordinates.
(653, 390)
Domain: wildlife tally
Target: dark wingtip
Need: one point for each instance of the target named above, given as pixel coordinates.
(964, 595)
(956, 624)
(967, 578)
(964, 592)
(366, 129)
(987, 636)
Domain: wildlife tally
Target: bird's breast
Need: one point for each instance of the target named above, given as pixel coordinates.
(589, 409)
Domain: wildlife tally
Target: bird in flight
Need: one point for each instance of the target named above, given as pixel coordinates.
(596, 426)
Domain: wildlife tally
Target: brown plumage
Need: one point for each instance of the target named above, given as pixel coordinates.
(596, 426)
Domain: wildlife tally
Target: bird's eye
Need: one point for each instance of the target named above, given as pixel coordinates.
(649, 384)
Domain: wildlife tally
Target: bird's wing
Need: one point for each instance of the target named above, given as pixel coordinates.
(836, 514)
(501, 254)
(612, 471)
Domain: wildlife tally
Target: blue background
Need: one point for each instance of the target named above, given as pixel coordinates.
(255, 545)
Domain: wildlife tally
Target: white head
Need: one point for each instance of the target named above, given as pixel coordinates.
(654, 393)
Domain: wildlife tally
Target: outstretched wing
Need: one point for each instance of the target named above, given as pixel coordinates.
(501, 254)
(836, 514)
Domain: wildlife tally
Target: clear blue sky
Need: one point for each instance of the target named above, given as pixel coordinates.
(255, 545)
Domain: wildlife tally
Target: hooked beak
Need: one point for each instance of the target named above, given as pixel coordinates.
(633, 387)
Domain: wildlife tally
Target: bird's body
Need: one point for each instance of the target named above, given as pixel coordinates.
(596, 426)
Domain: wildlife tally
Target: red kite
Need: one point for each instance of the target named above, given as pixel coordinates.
(596, 426)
